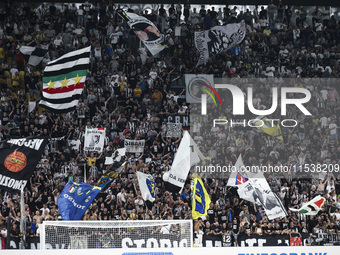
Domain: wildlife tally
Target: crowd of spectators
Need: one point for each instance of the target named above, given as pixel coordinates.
(128, 91)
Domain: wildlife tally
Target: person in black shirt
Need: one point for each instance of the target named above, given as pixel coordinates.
(207, 229)
(217, 229)
(235, 229)
(211, 213)
(277, 229)
(15, 231)
(247, 229)
(223, 217)
(225, 228)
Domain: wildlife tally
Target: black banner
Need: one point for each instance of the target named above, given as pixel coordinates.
(212, 240)
(18, 159)
(245, 240)
(183, 119)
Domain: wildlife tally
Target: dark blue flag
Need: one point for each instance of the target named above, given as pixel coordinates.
(75, 199)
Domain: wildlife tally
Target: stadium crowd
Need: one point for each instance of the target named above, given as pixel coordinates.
(129, 92)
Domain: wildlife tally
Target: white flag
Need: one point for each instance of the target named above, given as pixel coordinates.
(147, 186)
(233, 180)
(187, 155)
(116, 156)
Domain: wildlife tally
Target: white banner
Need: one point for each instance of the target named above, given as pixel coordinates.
(94, 139)
(195, 86)
(218, 39)
(134, 146)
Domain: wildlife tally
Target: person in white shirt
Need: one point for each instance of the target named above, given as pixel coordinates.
(139, 202)
(14, 70)
(78, 30)
(143, 53)
(153, 74)
(324, 94)
(58, 42)
(194, 16)
(80, 14)
(333, 130)
(165, 230)
(330, 186)
(256, 101)
(324, 122)
(115, 37)
(122, 196)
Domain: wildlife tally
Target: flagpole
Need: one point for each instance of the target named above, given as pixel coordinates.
(22, 219)
(85, 173)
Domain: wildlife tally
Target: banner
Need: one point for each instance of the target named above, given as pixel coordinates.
(147, 186)
(179, 119)
(172, 130)
(187, 155)
(94, 139)
(245, 240)
(134, 146)
(196, 85)
(147, 32)
(272, 205)
(200, 199)
(218, 39)
(18, 160)
(75, 198)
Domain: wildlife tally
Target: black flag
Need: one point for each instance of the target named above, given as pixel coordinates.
(18, 160)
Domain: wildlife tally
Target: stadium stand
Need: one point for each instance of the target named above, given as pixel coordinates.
(130, 92)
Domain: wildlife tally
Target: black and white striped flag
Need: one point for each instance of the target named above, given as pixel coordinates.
(64, 80)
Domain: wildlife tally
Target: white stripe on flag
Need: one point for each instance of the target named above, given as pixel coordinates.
(70, 64)
(71, 54)
(60, 106)
(26, 50)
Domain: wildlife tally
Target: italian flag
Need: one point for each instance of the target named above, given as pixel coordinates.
(312, 207)
(64, 80)
(71, 189)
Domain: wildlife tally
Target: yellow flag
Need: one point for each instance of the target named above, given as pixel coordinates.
(268, 128)
(200, 199)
